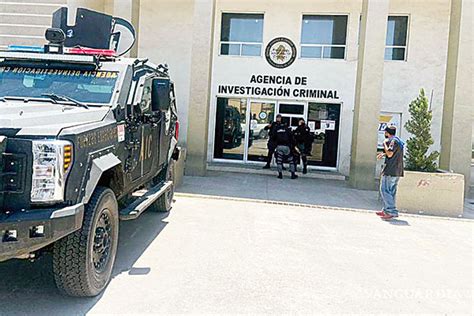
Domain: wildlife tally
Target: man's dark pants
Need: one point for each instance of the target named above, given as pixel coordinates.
(271, 150)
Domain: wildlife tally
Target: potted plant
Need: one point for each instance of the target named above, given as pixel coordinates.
(424, 189)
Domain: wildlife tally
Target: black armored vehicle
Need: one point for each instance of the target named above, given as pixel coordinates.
(87, 138)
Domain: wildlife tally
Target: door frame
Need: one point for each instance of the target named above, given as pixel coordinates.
(339, 137)
(276, 102)
(305, 109)
(248, 122)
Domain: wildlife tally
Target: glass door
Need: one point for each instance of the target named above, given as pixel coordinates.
(324, 120)
(261, 114)
(292, 112)
(230, 130)
(240, 133)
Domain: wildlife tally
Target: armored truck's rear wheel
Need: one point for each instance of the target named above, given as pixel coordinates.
(83, 261)
(163, 204)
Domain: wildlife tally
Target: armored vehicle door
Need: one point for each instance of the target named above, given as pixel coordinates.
(164, 104)
(146, 134)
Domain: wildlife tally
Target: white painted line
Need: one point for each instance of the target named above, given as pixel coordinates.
(33, 4)
(27, 14)
(24, 25)
(21, 36)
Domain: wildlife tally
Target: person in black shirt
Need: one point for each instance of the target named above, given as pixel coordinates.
(271, 128)
(304, 141)
(391, 173)
(285, 149)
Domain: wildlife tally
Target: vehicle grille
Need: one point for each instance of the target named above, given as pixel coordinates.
(12, 172)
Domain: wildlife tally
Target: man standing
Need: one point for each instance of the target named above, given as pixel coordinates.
(303, 139)
(285, 149)
(391, 173)
(271, 128)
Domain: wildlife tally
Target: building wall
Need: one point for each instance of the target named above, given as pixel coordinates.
(24, 22)
(425, 66)
(426, 61)
(165, 36)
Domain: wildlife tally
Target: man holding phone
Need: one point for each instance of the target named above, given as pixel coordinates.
(392, 172)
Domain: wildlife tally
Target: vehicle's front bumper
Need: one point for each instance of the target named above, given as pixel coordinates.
(17, 230)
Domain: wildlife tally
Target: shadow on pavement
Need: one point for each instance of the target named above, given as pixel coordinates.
(398, 222)
(28, 288)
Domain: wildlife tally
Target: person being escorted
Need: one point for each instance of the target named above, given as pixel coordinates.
(304, 140)
(285, 149)
(271, 128)
(391, 173)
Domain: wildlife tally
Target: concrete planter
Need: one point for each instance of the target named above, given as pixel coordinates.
(440, 194)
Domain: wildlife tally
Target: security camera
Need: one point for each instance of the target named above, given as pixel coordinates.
(55, 36)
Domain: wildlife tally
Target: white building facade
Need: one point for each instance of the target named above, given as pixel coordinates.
(347, 67)
(321, 82)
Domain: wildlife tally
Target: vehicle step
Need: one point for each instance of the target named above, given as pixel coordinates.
(144, 201)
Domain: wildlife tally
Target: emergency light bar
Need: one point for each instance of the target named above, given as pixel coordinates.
(67, 50)
(90, 51)
(25, 48)
(26, 56)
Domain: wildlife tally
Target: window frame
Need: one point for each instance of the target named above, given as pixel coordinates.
(347, 14)
(241, 43)
(405, 59)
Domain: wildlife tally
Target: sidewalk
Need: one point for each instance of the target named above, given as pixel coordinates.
(324, 192)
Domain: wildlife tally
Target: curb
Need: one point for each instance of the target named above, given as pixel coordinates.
(314, 206)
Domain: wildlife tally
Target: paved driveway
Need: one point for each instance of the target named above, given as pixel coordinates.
(221, 256)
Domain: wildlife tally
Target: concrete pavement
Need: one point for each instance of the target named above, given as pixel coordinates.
(326, 192)
(314, 191)
(221, 256)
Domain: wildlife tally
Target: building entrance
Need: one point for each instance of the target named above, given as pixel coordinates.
(240, 133)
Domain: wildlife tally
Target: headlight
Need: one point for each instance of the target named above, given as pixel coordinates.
(51, 163)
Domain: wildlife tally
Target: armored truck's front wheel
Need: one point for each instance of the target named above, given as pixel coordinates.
(83, 261)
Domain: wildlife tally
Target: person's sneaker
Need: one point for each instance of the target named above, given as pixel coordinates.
(280, 175)
(266, 167)
(294, 176)
(380, 213)
(387, 217)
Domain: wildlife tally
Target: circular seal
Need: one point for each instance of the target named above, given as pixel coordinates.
(280, 52)
(262, 115)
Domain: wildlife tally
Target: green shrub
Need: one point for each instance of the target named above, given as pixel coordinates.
(419, 126)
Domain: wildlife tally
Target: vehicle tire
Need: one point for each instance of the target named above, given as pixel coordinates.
(164, 202)
(83, 260)
(237, 140)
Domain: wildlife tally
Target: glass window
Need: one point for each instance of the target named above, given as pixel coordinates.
(261, 115)
(324, 36)
(311, 52)
(291, 108)
(324, 121)
(241, 34)
(230, 131)
(396, 42)
(83, 86)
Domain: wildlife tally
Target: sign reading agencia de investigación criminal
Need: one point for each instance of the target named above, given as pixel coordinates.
(284, 86)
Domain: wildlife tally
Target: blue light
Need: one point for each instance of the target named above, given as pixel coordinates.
(23, 48)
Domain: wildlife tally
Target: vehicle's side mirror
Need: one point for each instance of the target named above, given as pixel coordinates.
(160, 94)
